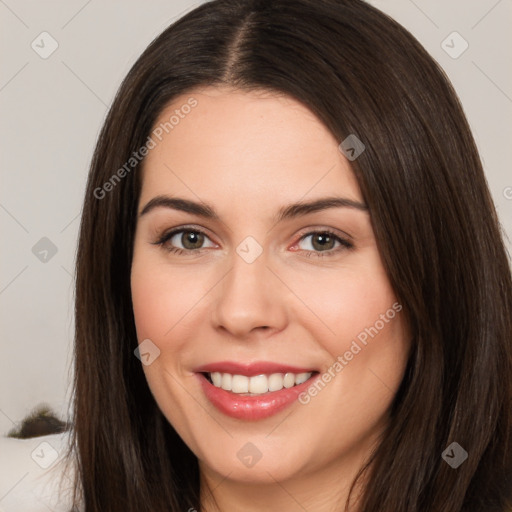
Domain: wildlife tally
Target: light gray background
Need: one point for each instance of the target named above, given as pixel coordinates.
(51, 111)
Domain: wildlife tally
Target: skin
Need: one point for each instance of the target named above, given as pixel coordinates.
(247, 154)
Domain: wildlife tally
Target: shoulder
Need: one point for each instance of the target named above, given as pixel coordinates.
(33, 474)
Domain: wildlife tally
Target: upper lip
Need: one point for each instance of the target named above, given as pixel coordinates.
(251, 369)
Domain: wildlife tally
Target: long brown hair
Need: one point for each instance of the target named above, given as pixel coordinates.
(438, 234)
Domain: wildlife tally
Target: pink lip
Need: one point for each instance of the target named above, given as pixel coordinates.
(251, 407)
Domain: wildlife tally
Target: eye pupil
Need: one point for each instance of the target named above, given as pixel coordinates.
(322, 240)
(192, 237)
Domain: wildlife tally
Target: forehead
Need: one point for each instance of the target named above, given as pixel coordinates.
(253, 145)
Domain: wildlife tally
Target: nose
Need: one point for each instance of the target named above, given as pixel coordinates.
(249, 298)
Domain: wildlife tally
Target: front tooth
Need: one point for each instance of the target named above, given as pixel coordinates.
(240, 384)
(289, 380)
(302, 377)
(227, 379)
(275, 382)
(258, 384)
(216, 378)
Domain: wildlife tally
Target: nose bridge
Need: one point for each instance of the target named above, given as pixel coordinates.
(248, 297)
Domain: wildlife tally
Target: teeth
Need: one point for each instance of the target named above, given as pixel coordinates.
(226, 381)
(216, 379)
(275, 382)
(302, 377)
(240, 384)
(259, 384)
(289, 380)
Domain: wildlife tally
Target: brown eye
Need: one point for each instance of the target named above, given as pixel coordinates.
(183, 240)
(192, 239)
(323, 243)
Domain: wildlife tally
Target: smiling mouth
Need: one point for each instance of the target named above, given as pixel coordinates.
(257, 385)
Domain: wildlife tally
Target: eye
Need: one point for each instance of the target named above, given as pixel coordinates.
(185, 240)
(323, 243)
(191, 240)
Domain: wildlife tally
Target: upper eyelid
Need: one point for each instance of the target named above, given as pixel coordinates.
(337, 232)
(167, 234)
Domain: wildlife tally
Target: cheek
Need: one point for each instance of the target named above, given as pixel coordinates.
(342, 303)
(160, 297)
(161, 300)
(149, 303)
(355, 317)
(360, 323)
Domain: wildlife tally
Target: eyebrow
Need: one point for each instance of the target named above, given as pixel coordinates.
(284, 213)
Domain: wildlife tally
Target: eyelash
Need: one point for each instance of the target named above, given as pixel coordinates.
(344, 244)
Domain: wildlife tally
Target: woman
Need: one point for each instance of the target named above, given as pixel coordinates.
(292, 292)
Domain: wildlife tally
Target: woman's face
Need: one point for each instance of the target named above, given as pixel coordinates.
(254, 294)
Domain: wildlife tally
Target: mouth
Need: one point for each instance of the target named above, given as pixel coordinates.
(256, 385)
(253, 392)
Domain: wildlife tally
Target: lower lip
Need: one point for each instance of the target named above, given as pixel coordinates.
(252, 407)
